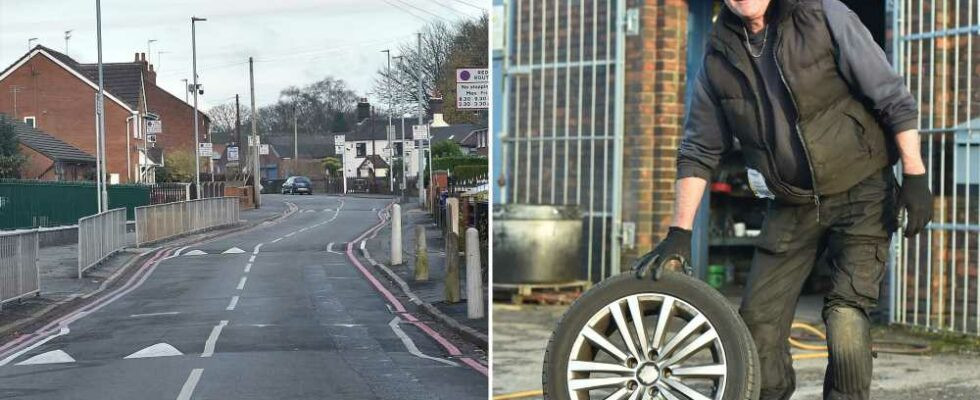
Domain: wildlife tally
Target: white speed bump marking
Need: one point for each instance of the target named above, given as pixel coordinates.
(233, 250)
(51, 357)
(157, 350)
(195, 253)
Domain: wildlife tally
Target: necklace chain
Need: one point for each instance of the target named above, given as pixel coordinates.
(748, 45)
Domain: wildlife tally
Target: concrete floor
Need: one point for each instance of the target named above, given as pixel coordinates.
(284, 320)
(520, 334)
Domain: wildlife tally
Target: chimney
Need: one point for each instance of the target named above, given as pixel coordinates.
(149, 75)
(435, 105)
(363, 110)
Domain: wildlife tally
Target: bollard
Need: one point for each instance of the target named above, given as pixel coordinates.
(421, 255)
(452, 215)
(474, 275)
(396, 235)
(451, 281)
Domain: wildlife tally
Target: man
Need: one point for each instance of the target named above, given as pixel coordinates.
(820, 117)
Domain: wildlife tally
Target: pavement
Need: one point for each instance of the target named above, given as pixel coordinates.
(262, 313)
(521, 333)
(431, 291)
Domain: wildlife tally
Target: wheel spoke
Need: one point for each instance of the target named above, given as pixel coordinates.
(636, 394)
(667, 394)
(684, 389)
(595, 383)
(637, 315)
(603, 343)
(666, 309)
(618, 395)
(589, 366)
(682, 335)
(703, 371)
(693, 346)
(624, 330)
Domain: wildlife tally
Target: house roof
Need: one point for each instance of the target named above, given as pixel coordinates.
(50, 146)
(456, 133)
(89, 77)
(376, 128)
(472, 139)
(125, 80)
(376, 161)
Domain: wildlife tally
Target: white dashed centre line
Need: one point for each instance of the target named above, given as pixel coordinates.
(248, 267)
(252, 258)
(241, 283)
(257, 247)
(233, 304)
(290, 234)
(213, 339)
(274, 241)
(188, 390)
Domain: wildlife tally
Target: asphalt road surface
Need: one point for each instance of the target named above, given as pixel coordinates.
(275, 312)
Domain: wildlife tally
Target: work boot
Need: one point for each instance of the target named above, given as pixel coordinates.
(849, 366)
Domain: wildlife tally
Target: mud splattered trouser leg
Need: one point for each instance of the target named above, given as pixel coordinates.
(853, 231)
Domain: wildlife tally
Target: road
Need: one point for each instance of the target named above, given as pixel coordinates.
(276, 312)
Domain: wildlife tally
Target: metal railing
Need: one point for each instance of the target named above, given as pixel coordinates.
(99, 236)
(164, 221)
(935, 276)
(19, 275)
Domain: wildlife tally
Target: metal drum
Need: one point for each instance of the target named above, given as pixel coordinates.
(536, 244)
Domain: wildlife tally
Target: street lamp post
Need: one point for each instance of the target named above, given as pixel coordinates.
(148, 44)
(389, 134)
(197, 139)
(30, 42)
(67, 38)
(103, 196)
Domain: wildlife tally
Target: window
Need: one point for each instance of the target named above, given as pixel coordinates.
(361, 149)
(32, 121)
(399, 148)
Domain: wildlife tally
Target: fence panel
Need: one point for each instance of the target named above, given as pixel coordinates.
(99, 236)
(19, 274)
(934, 277)
(564, 80)
(32, 204)
(164, 221)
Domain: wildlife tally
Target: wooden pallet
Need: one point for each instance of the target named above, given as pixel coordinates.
(540, 293)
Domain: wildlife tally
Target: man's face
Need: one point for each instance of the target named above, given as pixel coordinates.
(748, 9)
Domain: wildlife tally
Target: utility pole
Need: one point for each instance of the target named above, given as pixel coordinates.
(295, 137)
(100, 118)
(197, 138)
(238, 136)
(256, 186)
(67, 38)
(421, 123)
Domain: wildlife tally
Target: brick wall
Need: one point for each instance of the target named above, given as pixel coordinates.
(37, 165)
(65, 108)
(655, 84)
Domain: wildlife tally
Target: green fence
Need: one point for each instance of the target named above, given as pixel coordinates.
(31, 204)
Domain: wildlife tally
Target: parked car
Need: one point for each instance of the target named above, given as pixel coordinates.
(297, 185)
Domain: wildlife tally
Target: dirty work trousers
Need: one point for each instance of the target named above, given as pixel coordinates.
(853, 229)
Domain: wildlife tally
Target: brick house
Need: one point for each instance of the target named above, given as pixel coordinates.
(57, 94)
(48, 158)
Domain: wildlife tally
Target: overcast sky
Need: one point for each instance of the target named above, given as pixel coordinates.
(294, 42)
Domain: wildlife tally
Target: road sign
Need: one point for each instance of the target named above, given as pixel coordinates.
(154, 127)
(420, 132)
(263, 149)
(472, 95)
(233, 153)
(339, 149)
(204, 149)
(470, 75)
(338, 140)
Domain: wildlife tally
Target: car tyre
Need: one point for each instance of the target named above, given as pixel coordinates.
(735, 377)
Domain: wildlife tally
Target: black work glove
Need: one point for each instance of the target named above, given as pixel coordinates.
(676, 246)
(915, 198)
